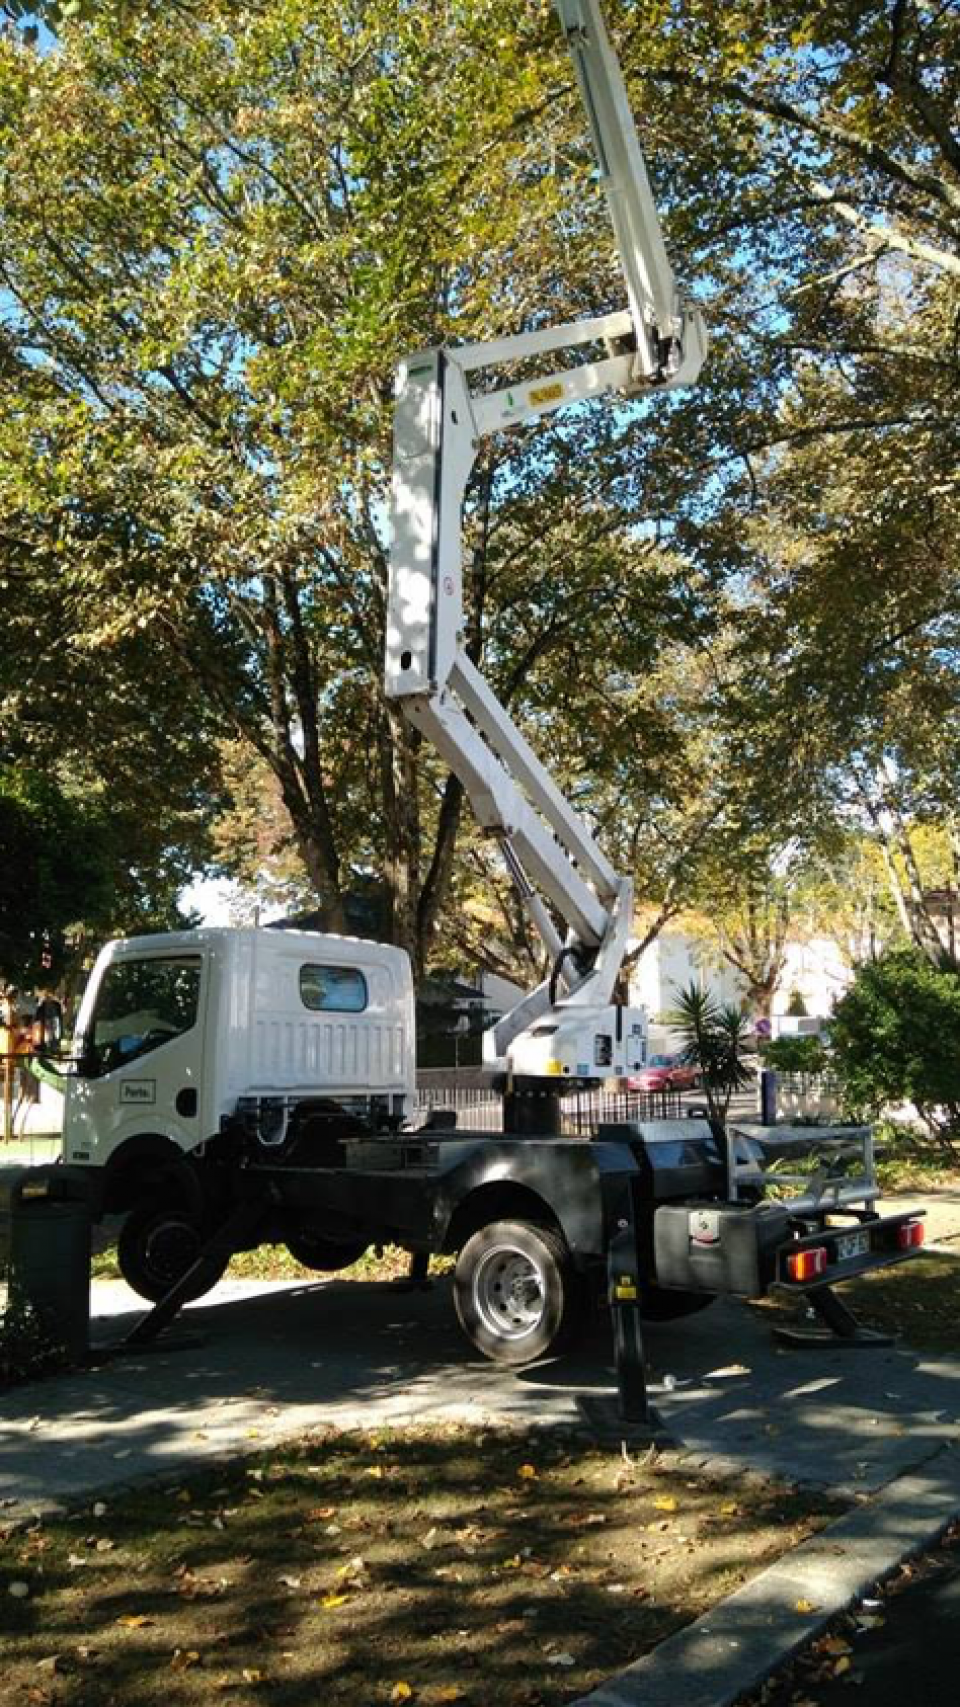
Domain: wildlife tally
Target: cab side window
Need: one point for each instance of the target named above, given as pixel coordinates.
(141, 1005)
(333, 989)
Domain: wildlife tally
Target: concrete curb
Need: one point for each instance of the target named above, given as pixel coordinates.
(734, 1648)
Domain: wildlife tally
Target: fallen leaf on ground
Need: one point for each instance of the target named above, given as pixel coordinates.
(134, 1620)
(806, 1606)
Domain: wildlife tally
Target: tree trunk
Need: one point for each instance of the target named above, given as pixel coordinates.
(906, 886)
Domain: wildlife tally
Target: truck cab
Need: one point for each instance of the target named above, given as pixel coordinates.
(178, 1030)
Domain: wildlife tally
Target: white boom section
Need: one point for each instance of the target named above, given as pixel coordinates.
(671, 338)
(437, 427)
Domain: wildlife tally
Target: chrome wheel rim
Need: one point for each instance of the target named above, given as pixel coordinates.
(509, 1293)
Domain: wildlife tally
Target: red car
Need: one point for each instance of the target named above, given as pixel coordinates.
(665, 1073)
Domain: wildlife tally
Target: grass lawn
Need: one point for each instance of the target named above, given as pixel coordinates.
(274, 1262)
(434, 1565)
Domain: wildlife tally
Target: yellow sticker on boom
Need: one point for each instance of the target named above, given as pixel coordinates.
(540, 394)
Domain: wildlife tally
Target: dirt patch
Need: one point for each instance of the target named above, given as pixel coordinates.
(434, 1565)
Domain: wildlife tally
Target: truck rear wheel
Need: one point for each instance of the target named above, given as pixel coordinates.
(661, 1304)
(157, 1246)
(324, 1255)
(517, 1294)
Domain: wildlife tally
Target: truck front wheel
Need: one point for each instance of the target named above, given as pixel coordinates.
(517, 1294)
(157, 1246)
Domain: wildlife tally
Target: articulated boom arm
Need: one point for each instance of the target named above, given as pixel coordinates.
(671, 340)
(439, 421)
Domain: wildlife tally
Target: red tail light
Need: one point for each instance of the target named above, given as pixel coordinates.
(806, 1265)
(910, 1234)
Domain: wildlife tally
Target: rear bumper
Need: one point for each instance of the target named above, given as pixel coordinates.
(746, 1249)
(884, 1250)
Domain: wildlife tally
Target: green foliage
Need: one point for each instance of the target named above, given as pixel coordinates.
(27, 1347)
(796, 1055)
(54, 874)
(217, 242)
(895, 1038)
(907, 1161)
(77, 869)
(714, 1038)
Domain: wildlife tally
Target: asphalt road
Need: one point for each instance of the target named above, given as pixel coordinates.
(913, 1655)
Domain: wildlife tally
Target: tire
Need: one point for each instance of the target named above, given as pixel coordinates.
(157, 1246)
(324, 1255)
(660, 1304)
(517, 1295)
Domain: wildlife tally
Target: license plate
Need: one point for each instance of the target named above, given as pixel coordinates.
(852, 1245)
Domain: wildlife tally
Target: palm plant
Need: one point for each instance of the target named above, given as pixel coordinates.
(714, 1037)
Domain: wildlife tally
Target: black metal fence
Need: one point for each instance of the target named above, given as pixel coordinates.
(480, 1109)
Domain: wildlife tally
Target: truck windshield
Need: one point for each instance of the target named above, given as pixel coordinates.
(140, 1005)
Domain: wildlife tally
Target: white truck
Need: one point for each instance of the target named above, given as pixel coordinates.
(261, 1082)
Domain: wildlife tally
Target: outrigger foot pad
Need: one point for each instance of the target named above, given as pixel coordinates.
(842, 1327)
(604, 1419)
(805, 1339)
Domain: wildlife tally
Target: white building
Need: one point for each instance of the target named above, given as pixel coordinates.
(815, 970)
(673, 961)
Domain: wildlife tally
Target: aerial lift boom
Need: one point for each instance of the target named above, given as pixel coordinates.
(568, 1025)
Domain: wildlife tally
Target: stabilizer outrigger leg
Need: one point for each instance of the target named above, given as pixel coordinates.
(631, 1416)
(842, 1327)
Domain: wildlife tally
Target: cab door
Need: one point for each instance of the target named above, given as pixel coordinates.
(141, 1056)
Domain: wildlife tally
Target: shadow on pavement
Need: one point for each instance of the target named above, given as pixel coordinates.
(258, 1362)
